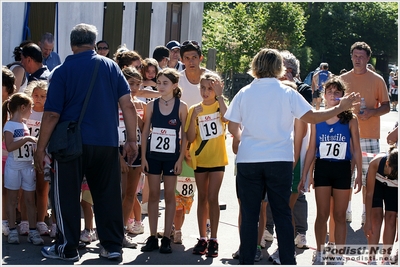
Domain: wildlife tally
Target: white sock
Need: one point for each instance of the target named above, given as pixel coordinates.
(349, 207)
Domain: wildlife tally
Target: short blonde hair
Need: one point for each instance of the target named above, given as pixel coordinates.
(40, 84)
(268, 63)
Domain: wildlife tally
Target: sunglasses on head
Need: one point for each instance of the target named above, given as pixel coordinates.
(190, 42)
(102, 48)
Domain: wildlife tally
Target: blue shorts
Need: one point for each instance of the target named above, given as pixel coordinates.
(158, 167)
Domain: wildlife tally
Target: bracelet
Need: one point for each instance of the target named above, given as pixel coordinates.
(219, 96)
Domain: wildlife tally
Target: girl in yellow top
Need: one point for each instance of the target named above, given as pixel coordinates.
(205, 128)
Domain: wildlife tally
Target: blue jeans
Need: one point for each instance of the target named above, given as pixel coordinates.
(252, 178)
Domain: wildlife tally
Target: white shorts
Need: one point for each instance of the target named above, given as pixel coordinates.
(16, 179)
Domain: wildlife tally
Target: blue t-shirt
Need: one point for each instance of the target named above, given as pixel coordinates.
(52, 61)
(333, 141)
(67, 91)
(322, 77)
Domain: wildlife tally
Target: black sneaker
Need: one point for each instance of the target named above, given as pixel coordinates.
(151, 244)
(165, 245)
(212, 249)
(201, 247)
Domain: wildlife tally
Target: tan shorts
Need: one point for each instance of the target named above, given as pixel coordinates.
(184, 203)
(87, 196)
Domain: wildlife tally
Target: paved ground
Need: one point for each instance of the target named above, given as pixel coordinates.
(28, 254)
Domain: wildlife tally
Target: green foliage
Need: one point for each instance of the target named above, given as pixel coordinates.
(313, 31)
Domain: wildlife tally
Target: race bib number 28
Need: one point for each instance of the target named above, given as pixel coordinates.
(163, 140)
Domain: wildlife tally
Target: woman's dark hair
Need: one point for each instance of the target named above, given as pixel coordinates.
(346, 116)
(103, 41)
(392, 159)
(18, 49)
(173, 75)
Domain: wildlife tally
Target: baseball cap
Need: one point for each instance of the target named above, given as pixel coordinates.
(173, 44)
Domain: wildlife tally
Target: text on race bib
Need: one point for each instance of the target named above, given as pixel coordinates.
(163, 140)
(210, 126)
(332, 150)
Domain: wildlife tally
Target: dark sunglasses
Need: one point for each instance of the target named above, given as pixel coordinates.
(102, 48)
(185, 43)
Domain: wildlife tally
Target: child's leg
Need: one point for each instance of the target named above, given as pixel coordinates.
(12, 196)
(145, 190)
(214, 184)
(341, 200)
(170, 203)
(322, 199)
(331, 223)
(202, 202)
(42, 196)
(154, 197)
(4, 200)
(31, 208)
(376, 221)
(389, 233)
(262, 221)
(87, 214)
(128, 192)
(22, 206)
(130, 195)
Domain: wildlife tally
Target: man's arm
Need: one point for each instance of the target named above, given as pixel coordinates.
(148, 93)
(130, 119)
(49, 122)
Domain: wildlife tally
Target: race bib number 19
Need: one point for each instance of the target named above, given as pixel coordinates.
(210, 126)
(332, 150)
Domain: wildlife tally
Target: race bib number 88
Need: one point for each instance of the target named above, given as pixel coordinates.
(332, 150)
(186, 186)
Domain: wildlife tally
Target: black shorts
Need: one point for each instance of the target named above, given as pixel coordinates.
(387, 194)
(316, 94)
(157, 167)
(394, 97)
(336, 174)
(214, 169)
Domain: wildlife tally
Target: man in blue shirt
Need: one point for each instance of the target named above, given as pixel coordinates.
(100, 161)
(50, 58)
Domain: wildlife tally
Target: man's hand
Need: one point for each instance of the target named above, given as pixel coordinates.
(130, 151)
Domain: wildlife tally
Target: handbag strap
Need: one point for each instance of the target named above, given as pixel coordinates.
(94, 76)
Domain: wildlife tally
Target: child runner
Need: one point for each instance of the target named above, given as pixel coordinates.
(331, 145)
(37, 90)
(162, 153)
(382, 187)
(130, 178)
(8, 87)
(205, 128)
(18, 171)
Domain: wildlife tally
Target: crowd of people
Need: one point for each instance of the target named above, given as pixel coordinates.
(165, 119)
